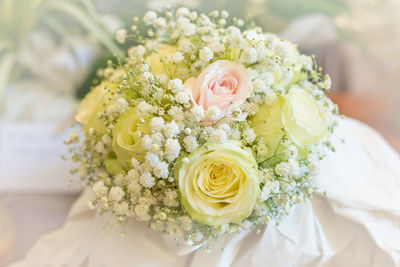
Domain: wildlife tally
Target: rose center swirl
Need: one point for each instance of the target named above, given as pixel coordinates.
(218, 181)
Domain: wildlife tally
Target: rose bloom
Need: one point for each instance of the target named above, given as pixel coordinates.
(224, 84)
(218, 184)
(157, 60)
(126, 136)
(95, 102)
(305, 121)
(267, 123)
(160, 62)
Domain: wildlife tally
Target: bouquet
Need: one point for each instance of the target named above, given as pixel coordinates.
(208, 126)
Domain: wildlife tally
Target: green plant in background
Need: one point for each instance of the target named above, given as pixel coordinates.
(274, 15)
(292, 8)
(19, 17)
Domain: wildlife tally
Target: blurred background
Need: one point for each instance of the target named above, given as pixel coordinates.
(50, 50)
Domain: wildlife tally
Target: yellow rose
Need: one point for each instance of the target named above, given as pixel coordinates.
(280, 74)
(299, 113)
(155, 63)
(127, 136)
(305, 120)
(279, 78)
(218, 184)
(95, 102)
(268, 124)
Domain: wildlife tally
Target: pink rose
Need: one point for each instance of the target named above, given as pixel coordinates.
(224, 84)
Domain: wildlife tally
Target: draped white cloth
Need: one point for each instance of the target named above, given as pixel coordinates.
(356, 224)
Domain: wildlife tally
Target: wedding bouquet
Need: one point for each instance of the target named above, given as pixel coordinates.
(205, 128)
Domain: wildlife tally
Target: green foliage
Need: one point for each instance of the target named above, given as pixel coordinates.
(19, 17)
(292, 8)
(91, 80)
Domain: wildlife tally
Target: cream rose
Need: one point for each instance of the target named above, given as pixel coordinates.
(127, 136)
(95, 102)
(224, 84)
(268, 124)
(218, 184)
(305, 120)
(158, 60)
(288, 50)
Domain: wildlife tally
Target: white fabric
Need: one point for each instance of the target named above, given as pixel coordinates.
(356, 224)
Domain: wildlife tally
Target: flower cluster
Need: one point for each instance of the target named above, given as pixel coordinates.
(204, 128)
